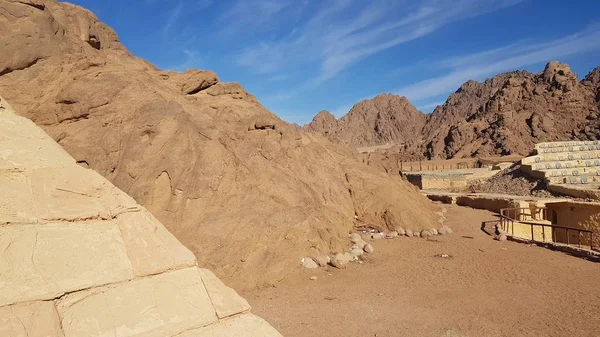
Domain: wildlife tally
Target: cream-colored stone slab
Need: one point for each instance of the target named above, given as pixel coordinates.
(75, 193)
(18, 154)
(246, 325)
(13, 126)
(34, 319)
(16, 204)
(150, 246)
(226, 301)
(45, 261)
(156, 306)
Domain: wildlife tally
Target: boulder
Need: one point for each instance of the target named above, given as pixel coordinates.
(448, 230)
(378, 236)
(354, 237)
(322, 260)
(442, 231)
(356, 252)
(309, 263)
(340, 260)
(425, 234)
(391, 235)
(409, 233)
(369, 248)
(416, 234)
(433, 231)
(400, 231)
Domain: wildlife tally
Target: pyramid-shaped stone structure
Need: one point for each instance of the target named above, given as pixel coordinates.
(79, 257)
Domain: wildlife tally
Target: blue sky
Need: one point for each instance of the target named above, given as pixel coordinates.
(302, 56)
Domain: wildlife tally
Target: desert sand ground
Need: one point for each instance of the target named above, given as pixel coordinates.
(486, 288)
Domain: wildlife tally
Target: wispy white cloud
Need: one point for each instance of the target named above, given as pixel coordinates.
(340, 33)
(172, 18)
(192, 60)
(179, 10)
(429, 106)
(514, 56)
(254, 16)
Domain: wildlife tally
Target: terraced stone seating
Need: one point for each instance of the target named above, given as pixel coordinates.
(571, 165)
(82, 258)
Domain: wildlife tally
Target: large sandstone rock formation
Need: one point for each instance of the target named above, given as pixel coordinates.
(384, 119)
(81, 258)
(249, 194)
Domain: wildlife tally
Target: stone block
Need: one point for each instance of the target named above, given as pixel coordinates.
(225, 300)
(31, 154)
(16, 203)
(34, 319)
(151, 248)
(76, 193)
(157, 306)
(13, 126)
(246, 325)
(41, 262)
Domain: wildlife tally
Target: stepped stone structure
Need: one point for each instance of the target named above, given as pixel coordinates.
(571, 167)
(79, 257)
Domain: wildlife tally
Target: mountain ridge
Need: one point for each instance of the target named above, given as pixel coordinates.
(503, 115)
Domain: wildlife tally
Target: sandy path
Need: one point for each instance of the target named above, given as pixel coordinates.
(487, 288)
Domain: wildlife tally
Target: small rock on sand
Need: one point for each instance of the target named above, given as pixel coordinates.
(309, 263)
(433, 231)
(340, 260)
(442, 231)
(400, 231)
(357, 240)
(391, 235)
(313, 278)
(354, 237)
(425, 234)
(321, 260)
(416, 234)
(409, 233)
(369, 248)
(356, 252)
(448, 230)
(501, 237)
(378, 236)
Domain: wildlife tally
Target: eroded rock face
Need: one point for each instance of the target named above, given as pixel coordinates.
(81, 258)
(504, 115)
(384, 119)
(509, 113)
(248, 193)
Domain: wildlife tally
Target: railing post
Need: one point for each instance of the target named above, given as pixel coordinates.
(543, 233)
(568, 242)
(579, 238)
(531, 232)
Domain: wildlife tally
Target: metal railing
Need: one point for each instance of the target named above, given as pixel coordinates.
(527, 216)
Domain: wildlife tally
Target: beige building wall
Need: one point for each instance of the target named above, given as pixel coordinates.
(577, 215)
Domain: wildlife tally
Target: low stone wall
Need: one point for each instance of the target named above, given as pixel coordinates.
(577, 192)
(487, 201)
(438, 181)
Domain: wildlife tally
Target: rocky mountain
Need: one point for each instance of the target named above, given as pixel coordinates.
(249, 194)
(504, 115)
(384, 119)
(510, 112)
